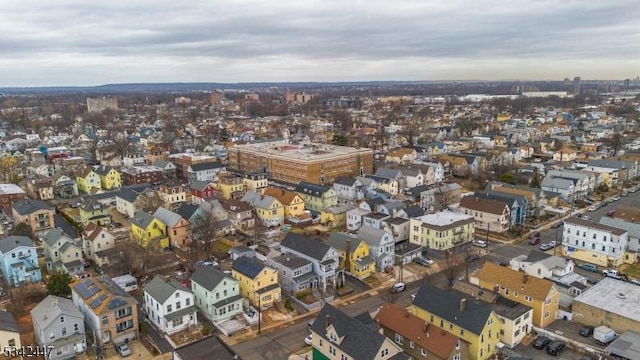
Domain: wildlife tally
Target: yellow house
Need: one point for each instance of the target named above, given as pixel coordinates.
(149, 230)
(9, 332)
(470, 321)
(230, 186)
(441, 231)
(292, 202)
(88, 180)
(269, 210)
(109, 177)
(540, 294)
(258, 282)
(357, 262)
(335, 217)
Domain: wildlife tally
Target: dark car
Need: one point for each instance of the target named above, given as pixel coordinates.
(588, 357)
(116, 224)
(535, 235)
(555, 347)
(541, 342)
(534, 241)
(472, 257)
(558, 224)
(586, 331)
(588, 267)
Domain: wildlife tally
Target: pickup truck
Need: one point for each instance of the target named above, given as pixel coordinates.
(614, 274)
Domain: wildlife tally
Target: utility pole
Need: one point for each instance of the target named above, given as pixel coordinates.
(259, 314)
(555, 247)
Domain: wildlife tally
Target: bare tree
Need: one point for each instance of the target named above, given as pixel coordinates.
(149, 202)
(204, 234)
(451, 266)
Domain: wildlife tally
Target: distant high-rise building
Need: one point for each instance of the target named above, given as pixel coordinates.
(101, 104)
(576, 80)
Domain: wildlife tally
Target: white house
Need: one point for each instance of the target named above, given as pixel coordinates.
(169, 305)
(594, 243)
(348, 189)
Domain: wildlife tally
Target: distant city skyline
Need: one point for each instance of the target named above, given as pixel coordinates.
(79, 43)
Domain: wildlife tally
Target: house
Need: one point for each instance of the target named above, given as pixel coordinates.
(632, 250)
(92, 210)
(179, 229)
(441, 197)
(216, 294)
(392, 173)
(540, 294)
(40, 188)
(354, 254)
(65, 187)
(127, 196)
(348, 189)
(442, 232)
(109, 311)
(9, 331)
(61, 253)
(240, 214)
(255, 181)
(454, 165)
(413, 177)
(19, 260)
(295, 273)
(292, 202)
(336, 335)
(168, 168)
(435, 174)
(258, 282)
(205, 171)
(594, 243)
(492, 215)
(325, 259)
(417, 339)
(109, 177)
(201, 191)
(517, 204)
(401, 155)
(10, 194)
(471, 321)
(149, 230)
(381, 246)
(35, 213)
(374, 219)
(88, 181)
(171, 194)
(316, 197)
(389, 185)
(269, 210)
(542, 265)
(58, 326)
(98, 244)
(335, 217)
(169, 305)
(231, 186)
(144, 174)
(610, 302)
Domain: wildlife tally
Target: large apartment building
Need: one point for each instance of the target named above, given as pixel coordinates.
(293, 163)
(594, 243)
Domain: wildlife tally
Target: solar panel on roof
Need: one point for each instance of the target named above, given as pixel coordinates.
(83, 291)
(116, 303)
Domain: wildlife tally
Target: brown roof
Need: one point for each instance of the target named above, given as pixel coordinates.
(485, 205)
(400, 152)
(590, 224)
(286, 197)
(236, 205)
(453, 160)
(83, 172)
(515, 280)
(412, 328)
(507, 190)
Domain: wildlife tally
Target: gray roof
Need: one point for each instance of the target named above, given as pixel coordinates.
(49, 309)
(198, 185)
(535, 256)
(446, 305)
(613, 296)
(359, 340)
(161, 163)
(388, 173)
(128, 195)
(339, 241)
(102, 169)
(142, 219)
(28, 206)
(312, 189)
(632, 228)
(627, 345)
(248, 266)
(413, 211)
(161, 289)
(372, 236)
(65, 226)
(168, 217)
(54, 235)
(205, 166)
(258, 200)
(11, 242)
(557, 183)
(209, 277)
(291, 261)
(8, 322)
(346, 181)
(186, 210)
(208, 348)
(311, 247)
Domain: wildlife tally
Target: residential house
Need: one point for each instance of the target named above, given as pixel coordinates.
(440, 197)
(413, 177)
(417, 339)
(40, 188)
(374, 219)
(190, 212)
(168, 168)
(88, 181)
(9, 331)
(335, 217)
(492, 215)
(292, 202)
(258, 282)
(216, 294)
(144, 174)
(542, 265)
(295, 273)
(171, 194)
(470, 321)
(148, 230)
(133, 159)
(355, 218)
(98, 244)
(348, 189)
(398, 227)
(201, 191)
(594, 243)
(435, 173)
(35, 213)
(389, 185)
(269, 210)
(354, 254)
(127, 196)
(231, 186)
(633, 237)
(58, 326)
(325, 259)
(240, 214)
(109, 177)
(109, 311)
(256, 181)
(381, 246)
(19, 260)
(316, 197)
(516, 208)
(442, 232)
(336, 335)
(92, 210)
(392, 173)
(61, 253)
(178, 228)
(401, 155)
(65, 187)
(540, 294)
(205, 171)
(169, 305)
(454, 165)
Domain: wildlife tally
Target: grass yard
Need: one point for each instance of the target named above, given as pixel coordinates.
(631, 270)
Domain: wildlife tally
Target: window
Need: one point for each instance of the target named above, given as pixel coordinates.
(63, 331)
(12, 342)
(412, 344)
(546, 314)
(105, 320)
(187, 302)
(547, 301)
(399, 339)
(332, 350)
(169, 308)
(526, 315)
(423, 352)
(76, 327)
(61, 319)
(384, 352)
(528, 298)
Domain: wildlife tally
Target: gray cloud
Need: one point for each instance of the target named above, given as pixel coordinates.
(80, 42)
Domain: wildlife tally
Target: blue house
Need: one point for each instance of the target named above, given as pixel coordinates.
(19, 260)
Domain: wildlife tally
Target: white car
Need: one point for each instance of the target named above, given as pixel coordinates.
(123, 349)
(309, 339)
(480, 243)
(593, 208)
(398, 287)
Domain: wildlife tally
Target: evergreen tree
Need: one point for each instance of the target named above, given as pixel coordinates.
(58, 284)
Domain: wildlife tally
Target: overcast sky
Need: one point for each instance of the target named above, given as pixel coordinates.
(61, 42)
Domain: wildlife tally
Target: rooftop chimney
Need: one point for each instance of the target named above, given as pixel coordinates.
(327, 321)
(524, 278)
(463, 303)
(425, 328)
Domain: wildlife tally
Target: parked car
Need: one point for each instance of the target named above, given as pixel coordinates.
(534, 241)
(615, 198)
(555, 347)
(624, 193)
(594, 208)
(586, 217)
(398, 287)
(557, 225)
(423, 261)
(534, 235)
(545, 247)
(611, 213)
(472, 257)
(633, 189)
(309, 339)
(541, 342)
(635, 281)
(480, 243)
(588, 267)
(588, 357)
(123, 349)
(586, 331)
